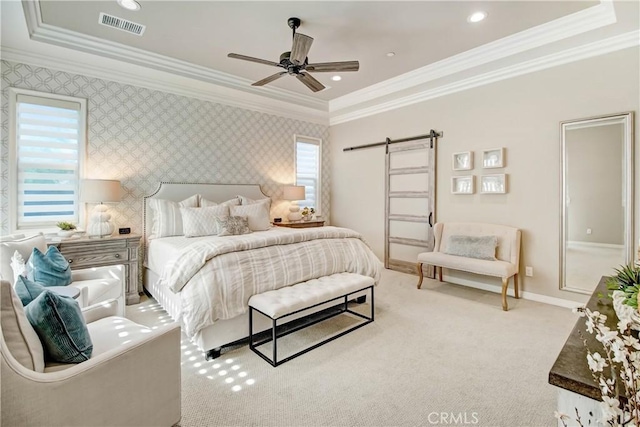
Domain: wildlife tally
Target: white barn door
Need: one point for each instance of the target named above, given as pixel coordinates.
(410, 203)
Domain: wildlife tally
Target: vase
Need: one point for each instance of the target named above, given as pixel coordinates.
(66, 233)
(625, 312)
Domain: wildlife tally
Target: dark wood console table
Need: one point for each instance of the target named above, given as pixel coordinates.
(571, 372)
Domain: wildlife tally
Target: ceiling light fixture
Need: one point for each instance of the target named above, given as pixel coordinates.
(336, 78)
(390, 54)
(129, 4)
(477, 16)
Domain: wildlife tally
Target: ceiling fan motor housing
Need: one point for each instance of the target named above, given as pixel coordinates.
(287, 64)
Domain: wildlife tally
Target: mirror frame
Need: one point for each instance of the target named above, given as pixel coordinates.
(627, 119)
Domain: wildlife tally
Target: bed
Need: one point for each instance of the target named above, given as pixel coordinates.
(205, 282)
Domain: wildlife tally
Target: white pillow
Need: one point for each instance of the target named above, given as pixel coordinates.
(18, 266)
(24, 248)
(206, 203)
(167, 219)
(257, 214)
(202, 221)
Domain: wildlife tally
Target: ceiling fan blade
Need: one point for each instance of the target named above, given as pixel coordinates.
(300, 48)
(310, 82)
(269, 79)
(322, 67)
(252, 59)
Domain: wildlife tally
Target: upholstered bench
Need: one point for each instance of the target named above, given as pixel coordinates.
(485, 249)
(284, 302)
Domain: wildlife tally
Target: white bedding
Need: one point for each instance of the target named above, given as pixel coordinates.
(216, 276)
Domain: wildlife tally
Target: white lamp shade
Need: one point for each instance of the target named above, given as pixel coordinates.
(100, 191)
(294, 192)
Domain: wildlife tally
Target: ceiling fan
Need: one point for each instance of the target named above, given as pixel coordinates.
(296, 62)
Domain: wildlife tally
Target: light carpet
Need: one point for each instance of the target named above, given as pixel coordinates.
(442, 355)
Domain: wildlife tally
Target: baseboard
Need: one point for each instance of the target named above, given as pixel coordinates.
(594, 244)
(531, 296)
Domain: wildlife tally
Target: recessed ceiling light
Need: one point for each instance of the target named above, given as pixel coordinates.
(390, 54)
(336, 78)
(129, 4)
(477, 16)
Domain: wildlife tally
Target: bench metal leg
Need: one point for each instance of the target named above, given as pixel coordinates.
(420, 274)
(440, 270)
(505, 284)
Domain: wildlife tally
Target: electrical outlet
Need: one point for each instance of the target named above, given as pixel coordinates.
(588, 231)
(528, 271)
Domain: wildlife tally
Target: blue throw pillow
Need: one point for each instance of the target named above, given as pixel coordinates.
(27, 290)
(48, 269)
(61, 328)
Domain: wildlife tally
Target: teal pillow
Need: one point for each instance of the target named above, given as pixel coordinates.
(48, 269)
(60, 326)
(27, 290)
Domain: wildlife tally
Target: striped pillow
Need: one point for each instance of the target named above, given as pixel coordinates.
(167, 219)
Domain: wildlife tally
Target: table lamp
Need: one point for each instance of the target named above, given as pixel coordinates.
(294, 193)
(100, 191)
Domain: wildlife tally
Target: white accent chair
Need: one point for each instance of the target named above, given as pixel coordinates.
(133, 377)
(96, 284)
(506, 265)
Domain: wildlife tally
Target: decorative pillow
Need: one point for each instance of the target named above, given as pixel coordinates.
(59, 323)
(27, 290)
(167, 220)
(18, 266)
(231, 202)
(202, 221)
(49, 269)
(257, 214)
(248, 201)
(233, 225)
(479, 247)
(24, 247)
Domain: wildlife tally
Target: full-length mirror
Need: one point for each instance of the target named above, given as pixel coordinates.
(597, 199)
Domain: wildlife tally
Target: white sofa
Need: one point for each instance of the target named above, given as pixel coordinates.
(507, 254)
(132, 378)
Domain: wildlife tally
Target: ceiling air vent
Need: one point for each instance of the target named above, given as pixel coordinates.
(121, 24)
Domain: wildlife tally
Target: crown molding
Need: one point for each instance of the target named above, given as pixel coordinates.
(40, 31)
(601, 47)
(558, 29)
(231, 98)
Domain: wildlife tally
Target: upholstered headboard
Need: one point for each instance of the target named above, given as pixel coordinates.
(178, 191)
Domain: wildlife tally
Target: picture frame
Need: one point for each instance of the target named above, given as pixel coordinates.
(493, 184)
(493, 158)
(462, 161)
(463, 184)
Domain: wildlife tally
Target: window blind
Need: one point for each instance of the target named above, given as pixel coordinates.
(308, 171)
(48, 138)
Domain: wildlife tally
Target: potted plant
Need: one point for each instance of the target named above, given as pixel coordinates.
(66, 228)
(624, 286)
(307, 213)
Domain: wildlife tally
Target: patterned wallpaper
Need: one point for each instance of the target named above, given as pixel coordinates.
(142, 137)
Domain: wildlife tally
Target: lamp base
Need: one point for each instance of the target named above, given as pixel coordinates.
(294, 212)
(100, 224)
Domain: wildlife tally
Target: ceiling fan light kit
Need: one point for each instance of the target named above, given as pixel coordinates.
(296, 62)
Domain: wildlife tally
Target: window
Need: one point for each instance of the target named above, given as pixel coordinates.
(308, 170)
(47, 144)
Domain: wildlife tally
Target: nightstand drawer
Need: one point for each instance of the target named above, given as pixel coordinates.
(83, 259)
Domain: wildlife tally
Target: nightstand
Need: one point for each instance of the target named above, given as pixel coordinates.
(299, 224)
(85, 252)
